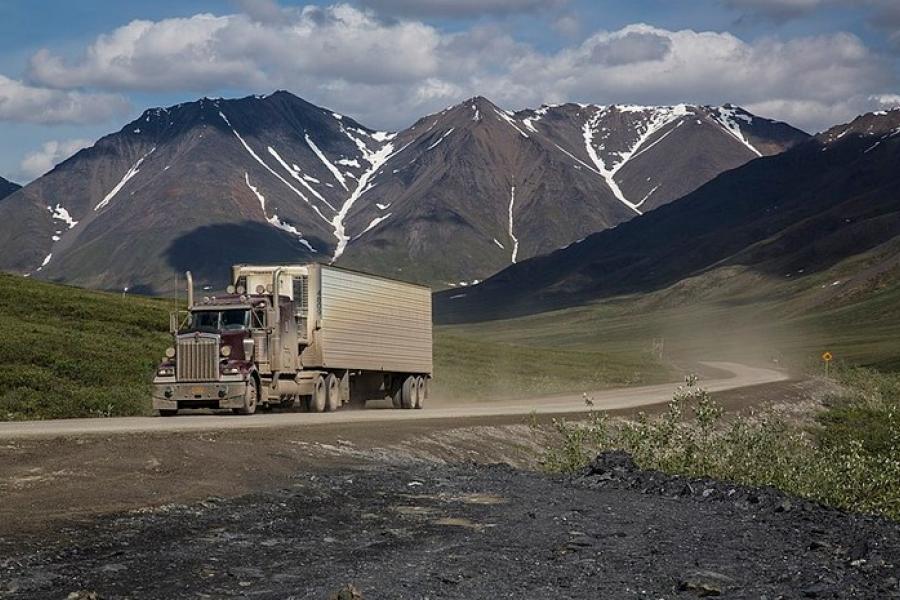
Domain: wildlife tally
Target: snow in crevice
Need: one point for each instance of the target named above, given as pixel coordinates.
(511, 121)
(270, 169)
(650, 193)
(274, 220)
(383, 206)
(512, 235)
(135, 168)
(294, 172)
(383, 136)
(349, 163)
(45, 262)
(477, 115)
(328, 164)
(727, 117)
(658, 118)
(496, 241)
(373, 224)
(441, 139)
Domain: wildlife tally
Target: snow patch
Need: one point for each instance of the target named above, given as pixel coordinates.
(383, 206)
(61, 214)
(373, 223)
(268, 168)
(538, 115)
(503, 115)
(349, 163)
(727, 117)
(274, 220)
(135, 168)
(294, 171)
(512, 236)
(434, 145)
(499, 244)
(328, 165)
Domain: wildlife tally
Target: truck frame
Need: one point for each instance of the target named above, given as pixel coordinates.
(311, 336)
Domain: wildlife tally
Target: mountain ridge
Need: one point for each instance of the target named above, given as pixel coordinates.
(455, 197)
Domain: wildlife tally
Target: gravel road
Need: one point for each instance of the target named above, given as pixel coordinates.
(740, 376)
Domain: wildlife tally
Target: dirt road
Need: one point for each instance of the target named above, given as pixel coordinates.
(741, 376)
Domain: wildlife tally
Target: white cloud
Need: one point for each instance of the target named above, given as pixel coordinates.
(388, 72)
(48, 156)
(460, 8)
(21, 102)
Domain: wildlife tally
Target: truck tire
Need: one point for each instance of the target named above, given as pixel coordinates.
(251, 396)
(319, 399)
(420, 392)
(409, 393)
(333, 392)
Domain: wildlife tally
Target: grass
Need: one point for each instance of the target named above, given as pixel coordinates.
(843, 455)
(69, 352)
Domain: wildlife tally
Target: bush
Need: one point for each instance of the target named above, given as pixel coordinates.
(848, 459)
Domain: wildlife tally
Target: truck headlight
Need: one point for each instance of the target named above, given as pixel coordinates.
(230, 371)
(165, 372)
(170, 352)
(225, 351)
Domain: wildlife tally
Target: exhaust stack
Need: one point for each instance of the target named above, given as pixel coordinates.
(276, 350)
(190, 289)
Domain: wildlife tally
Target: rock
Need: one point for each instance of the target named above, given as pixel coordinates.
(347, 591)
(83, 595)
(705, 583)
(613, 462)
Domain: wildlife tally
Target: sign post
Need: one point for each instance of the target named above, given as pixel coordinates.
(827, 358)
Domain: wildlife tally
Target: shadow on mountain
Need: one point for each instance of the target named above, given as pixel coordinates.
(210, 251)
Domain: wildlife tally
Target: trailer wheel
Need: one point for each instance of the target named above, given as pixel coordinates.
(420, 392)
(318, 400)
(168, 412)
(408, 393)
(251, 395)
(333, 392)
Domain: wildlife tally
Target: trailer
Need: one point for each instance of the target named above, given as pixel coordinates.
(312, 336)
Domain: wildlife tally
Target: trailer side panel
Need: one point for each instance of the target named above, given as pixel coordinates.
(372, 323)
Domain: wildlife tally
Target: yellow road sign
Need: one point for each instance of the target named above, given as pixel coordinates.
(827, 357)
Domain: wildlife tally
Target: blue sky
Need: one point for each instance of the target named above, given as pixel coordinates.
(71, 72)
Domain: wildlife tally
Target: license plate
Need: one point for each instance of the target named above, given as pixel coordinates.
(198, 390)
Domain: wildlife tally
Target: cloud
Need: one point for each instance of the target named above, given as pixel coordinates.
(460, 8)
(21, 102)
(51, 153)
(776, 9)
(387, 72)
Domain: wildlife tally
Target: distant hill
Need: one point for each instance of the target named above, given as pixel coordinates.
(833, 197)
(7, 188)
(454, 198)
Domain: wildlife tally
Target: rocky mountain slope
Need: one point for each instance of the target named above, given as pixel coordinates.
(792, 215)
(7, 188)
(454, 198)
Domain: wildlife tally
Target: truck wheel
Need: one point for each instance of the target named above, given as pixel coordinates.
(408, 394)
(168, 412)
(319, 398)
(420, 392)
(251, 395)
(333, 392)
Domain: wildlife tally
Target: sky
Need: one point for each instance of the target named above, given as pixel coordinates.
(71, 72)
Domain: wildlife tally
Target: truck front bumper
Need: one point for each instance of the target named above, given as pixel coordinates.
(172, 395)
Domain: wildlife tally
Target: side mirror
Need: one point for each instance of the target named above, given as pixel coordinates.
(173, 323)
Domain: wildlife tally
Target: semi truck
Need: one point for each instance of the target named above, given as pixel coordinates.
(311, 336)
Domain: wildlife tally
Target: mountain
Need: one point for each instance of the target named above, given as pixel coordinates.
(801, 212)
(7, 188)
(456, 197)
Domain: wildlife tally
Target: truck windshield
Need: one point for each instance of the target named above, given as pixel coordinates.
(218, 320)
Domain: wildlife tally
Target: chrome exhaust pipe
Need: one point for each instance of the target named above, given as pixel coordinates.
(190, 289)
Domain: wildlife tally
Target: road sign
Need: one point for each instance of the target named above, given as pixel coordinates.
(827, 357)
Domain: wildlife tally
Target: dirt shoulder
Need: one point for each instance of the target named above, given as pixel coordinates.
(48, 483)
(410, 528)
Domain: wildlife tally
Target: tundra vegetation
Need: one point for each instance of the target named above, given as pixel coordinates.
(842, 451)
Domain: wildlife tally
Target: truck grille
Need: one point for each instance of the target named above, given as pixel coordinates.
(197, 358)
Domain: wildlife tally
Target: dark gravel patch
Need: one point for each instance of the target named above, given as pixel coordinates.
(424, 530)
